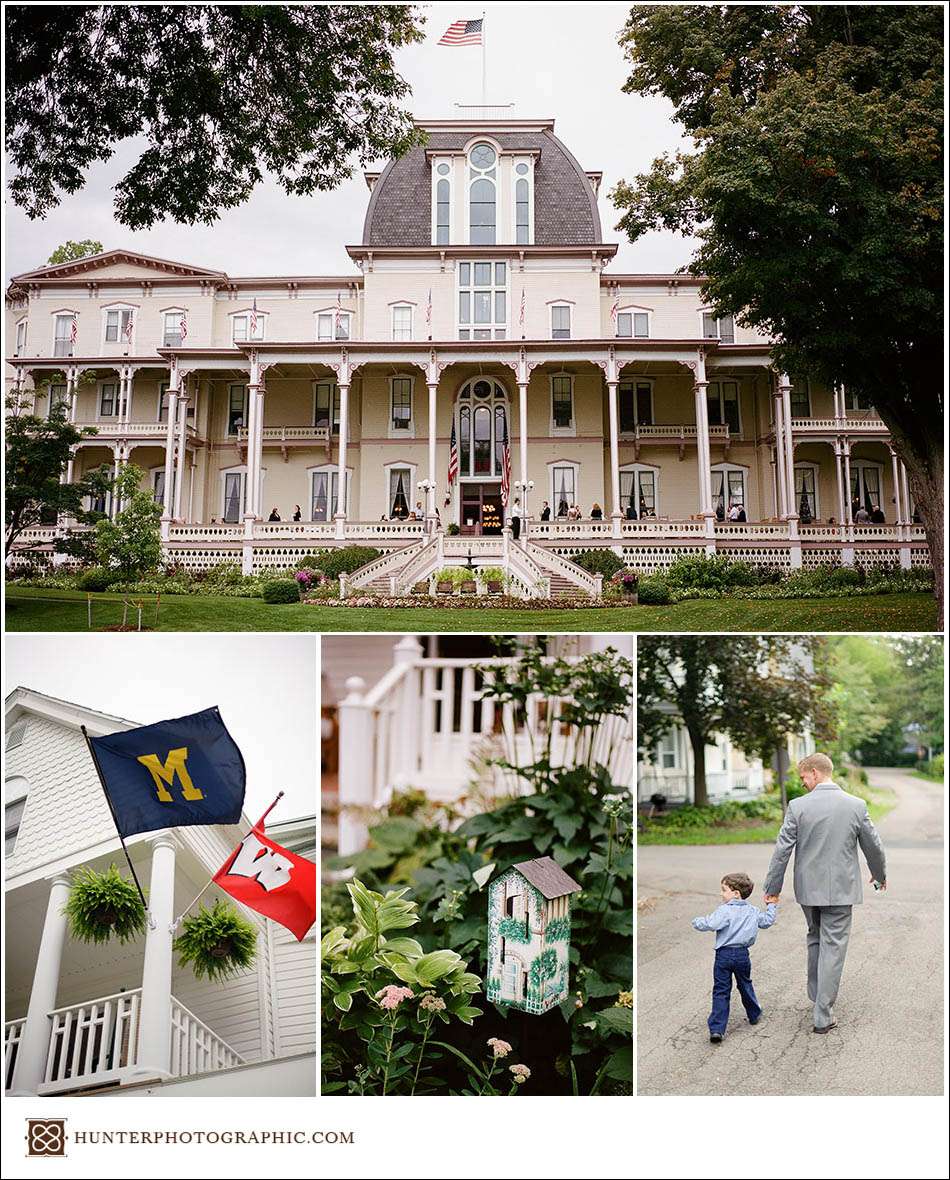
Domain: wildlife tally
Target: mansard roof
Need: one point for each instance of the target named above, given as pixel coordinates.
(565, 204)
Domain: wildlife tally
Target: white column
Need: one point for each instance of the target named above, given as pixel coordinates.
(172, 409)
(785, 389)
(779, 423)
(356, 765)
(250, 479)
(259, 451)
(30, 1068)
(839, 479)
(846, 453)
(154, 1049)
(703, 452)
(182, 438)
(116, 506)
(895, 479)
(616, 512)
(342, 498)
(72, 392)
(908, 515)
(433, 405)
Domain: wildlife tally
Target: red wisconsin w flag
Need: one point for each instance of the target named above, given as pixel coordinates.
(271, 880)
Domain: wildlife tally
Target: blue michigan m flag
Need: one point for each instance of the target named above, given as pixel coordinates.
(172, 774)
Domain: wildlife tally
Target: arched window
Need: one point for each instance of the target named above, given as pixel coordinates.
(521, 211)
(482, 195)
(482, 428)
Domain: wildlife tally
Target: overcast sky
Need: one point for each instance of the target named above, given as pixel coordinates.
(265, 686)
(559, 60)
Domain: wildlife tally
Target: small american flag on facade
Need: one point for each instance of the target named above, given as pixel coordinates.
(183, 326)
(462, 32)
(614, 308)
(253, 329)
(73, 331)
(130, 326)
(521, 313)
(453, 472)
(505, 466)
(429, 307)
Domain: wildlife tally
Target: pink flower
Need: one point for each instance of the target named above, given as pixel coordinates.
(391, 996)
(499, 1048)
(432, 1003)
(521, 1073)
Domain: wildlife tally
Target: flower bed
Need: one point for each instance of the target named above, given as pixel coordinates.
(472, 602)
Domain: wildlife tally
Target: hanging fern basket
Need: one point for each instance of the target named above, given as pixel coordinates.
(217, 942)
(103, 906)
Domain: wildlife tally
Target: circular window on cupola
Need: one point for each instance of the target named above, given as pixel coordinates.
(482, 157)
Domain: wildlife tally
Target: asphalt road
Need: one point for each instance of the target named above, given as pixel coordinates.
(889, 1038)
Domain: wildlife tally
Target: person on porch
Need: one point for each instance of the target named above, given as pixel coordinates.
(274, 514)
(545, 511)
(296, 512)
(862, 516)
(877, 515)
(596, 512)
(516, 519)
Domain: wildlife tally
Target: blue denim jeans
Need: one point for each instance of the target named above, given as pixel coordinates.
(732, 962)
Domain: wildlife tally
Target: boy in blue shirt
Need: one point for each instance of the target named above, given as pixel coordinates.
(736, 923)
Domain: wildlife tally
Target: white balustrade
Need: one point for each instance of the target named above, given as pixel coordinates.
(93, 1042)
(388, 565)
(12, 1034)
(285, 434)
(551, 562)
(195, 1047)
(156, 430)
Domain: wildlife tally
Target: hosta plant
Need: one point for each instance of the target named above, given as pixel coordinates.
(103, 906)
(383, 995)
(216, 942)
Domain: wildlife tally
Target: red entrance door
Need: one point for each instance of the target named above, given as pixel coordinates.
(482, 514)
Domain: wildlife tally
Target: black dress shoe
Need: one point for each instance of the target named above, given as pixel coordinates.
(827, 1028)
(756, 1021)
(715, 1038)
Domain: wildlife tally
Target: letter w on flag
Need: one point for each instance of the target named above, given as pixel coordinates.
(271, 880)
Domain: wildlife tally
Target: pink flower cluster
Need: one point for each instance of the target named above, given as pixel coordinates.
(520, 1073)
(391, 996)
(498, 1047)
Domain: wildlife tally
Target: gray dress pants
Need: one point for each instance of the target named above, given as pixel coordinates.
(829, 927)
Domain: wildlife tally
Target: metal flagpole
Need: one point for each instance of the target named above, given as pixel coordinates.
(210, 880)
(102, 783)
(484, 56)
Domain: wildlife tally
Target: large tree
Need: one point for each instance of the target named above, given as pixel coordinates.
(70, 251)
(220, 94)
(814, 184)
(38, 450)
(756, 689)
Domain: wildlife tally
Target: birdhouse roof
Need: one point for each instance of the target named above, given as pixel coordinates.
(547, 876)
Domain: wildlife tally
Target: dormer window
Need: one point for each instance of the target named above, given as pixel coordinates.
(443, 203)
(523, 203)
(721, 328)
(482, 195)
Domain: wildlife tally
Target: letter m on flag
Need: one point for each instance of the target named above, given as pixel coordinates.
(273, 881)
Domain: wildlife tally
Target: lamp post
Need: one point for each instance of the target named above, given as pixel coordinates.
(427, 487)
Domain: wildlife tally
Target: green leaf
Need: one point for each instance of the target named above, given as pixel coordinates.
(620, 1065)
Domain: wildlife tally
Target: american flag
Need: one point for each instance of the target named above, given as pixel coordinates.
(462, 32)
(429, 308)
(73, 331)
(183, 326)
(505, 466)
(253, 326)
(521, 313)
(615, 307)
(129, 326)
(453, 473)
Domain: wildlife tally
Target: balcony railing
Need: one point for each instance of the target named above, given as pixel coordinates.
(280, 435)
(95, 1044)
(871, 425)
(156, 430)
(666, 432)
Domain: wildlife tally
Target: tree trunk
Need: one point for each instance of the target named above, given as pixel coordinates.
(698, 742)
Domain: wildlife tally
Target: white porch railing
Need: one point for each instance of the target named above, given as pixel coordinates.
(553, 563)
(427, 724)
(839, 425)
(12, 1035)
(278, 435)
(156, 430)
(195, 1047)
(95, 1043)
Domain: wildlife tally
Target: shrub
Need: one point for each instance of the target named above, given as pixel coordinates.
(654, 591)
(599, 561)
(280, 590)
(97, 579)
(933, 769)
(346, 560)
(699, 573)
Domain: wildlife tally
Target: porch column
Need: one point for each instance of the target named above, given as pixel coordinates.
(250, 479)
(154, 1047)
(182, 437)
(908, 522)
(895, 479)
(72, 391)
(433, 405)
(846, 456)
(778, 416)
(171, 411)
(30, 1067)
(115, 505)
(356, 783)
(616, 513)
(703, 454)
(342, 498)
(785, 389)
(842, 509)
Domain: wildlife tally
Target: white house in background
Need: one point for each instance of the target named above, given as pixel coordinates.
(480, 307)
(120, 1019)
(410, 714)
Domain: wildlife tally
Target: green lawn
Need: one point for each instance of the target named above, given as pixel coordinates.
(30, 609)
(879, 800)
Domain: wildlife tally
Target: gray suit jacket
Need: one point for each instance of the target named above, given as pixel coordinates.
(825, 828)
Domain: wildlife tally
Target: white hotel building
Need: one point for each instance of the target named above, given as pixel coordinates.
(481, 300)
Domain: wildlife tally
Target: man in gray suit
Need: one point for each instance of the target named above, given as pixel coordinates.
(825, 828)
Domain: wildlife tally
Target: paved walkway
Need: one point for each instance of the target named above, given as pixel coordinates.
(890, 1007)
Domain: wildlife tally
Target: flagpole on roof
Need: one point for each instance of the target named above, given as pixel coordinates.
(102, 783)
(484, 67)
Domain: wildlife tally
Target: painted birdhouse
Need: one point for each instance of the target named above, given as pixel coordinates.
(529, 935)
